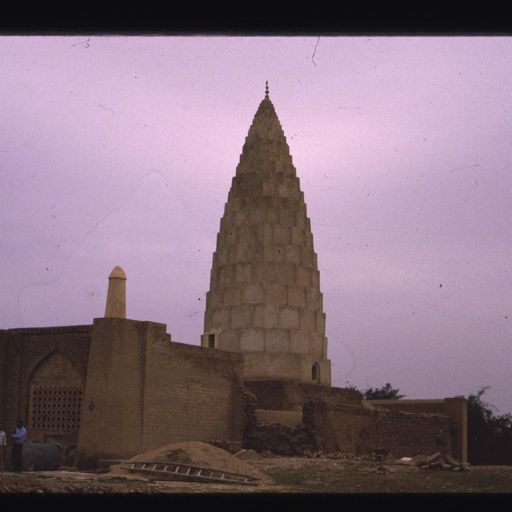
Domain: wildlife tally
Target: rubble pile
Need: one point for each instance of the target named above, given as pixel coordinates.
(281, 440)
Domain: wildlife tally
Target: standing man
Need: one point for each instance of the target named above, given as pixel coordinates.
(18, 438)
(3, 444)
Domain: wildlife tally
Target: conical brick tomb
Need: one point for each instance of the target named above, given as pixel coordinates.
(264, 299)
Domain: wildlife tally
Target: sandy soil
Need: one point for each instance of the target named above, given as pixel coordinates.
(289, 475)
(198, 454)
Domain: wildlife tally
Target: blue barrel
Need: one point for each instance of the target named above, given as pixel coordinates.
(40, 457)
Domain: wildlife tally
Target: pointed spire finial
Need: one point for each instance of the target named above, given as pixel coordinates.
(266, 88)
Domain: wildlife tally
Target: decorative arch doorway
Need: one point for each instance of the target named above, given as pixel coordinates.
(55, 400)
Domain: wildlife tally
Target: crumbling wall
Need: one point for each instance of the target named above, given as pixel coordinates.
(281, 440)
(456, 408)
(406, 434)
(360, 430)
(249, 414)
(348, 428)
(290, 395)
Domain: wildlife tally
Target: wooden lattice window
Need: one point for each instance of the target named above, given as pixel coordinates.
(56, 407)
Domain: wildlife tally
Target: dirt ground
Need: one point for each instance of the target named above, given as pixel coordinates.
(287, 475)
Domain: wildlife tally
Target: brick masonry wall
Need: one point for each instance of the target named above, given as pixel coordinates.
(290, 395)
(455, 408)
(407, 434)
(22, 352)
(416, 406)
(360, 430)
(191, 393)
(111, 416)
(144, 392)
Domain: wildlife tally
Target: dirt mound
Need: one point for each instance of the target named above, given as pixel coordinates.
(198, 453)
(247, 455)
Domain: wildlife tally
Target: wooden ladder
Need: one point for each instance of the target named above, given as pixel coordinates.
(179, 471)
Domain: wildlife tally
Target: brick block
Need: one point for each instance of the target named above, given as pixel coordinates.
(303, 277)
(296, 297)
(293, 254)
(273, 253)
(253, 294)
(265, 272)
(316, 344)
(285, 274)
(308, 236)
(294, 194)
(220, 318)
(307, 257)
(289, 318)
(276, 340)
(231, 295)
(283, 191)
(233, 255)
(240, 218)
(286, 217)
(272, 216)
(246, 235)
(241, 317)
(215, 299)
(244, 253)
(315, 279)
(268, 188)
(300, 220)
(264, 234)
(233, 205)
(257, 216)
(229, 340)
(313, 299)
(276, 293)
(226, 276)
(243, 272)
(299, 342)
(320, 321)
(208, 314)
(307, 320)
(281, 234)
(297, 236)
(252, 340)
(265, 316)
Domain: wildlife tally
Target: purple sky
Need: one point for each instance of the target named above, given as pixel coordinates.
(121, 150)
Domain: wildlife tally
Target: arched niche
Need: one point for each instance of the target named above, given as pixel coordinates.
(315, 372)
(56, 388)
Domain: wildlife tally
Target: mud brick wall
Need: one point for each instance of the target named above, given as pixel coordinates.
(456, 408)
(290, 395)
(281, 440)
(191, 393)
(407, 434)
(360, 430)
(348, 428)
(144, 391)
(23, 352)
(112, 407)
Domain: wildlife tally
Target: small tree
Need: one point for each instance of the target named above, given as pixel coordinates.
(386, 392)
(489, 436)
